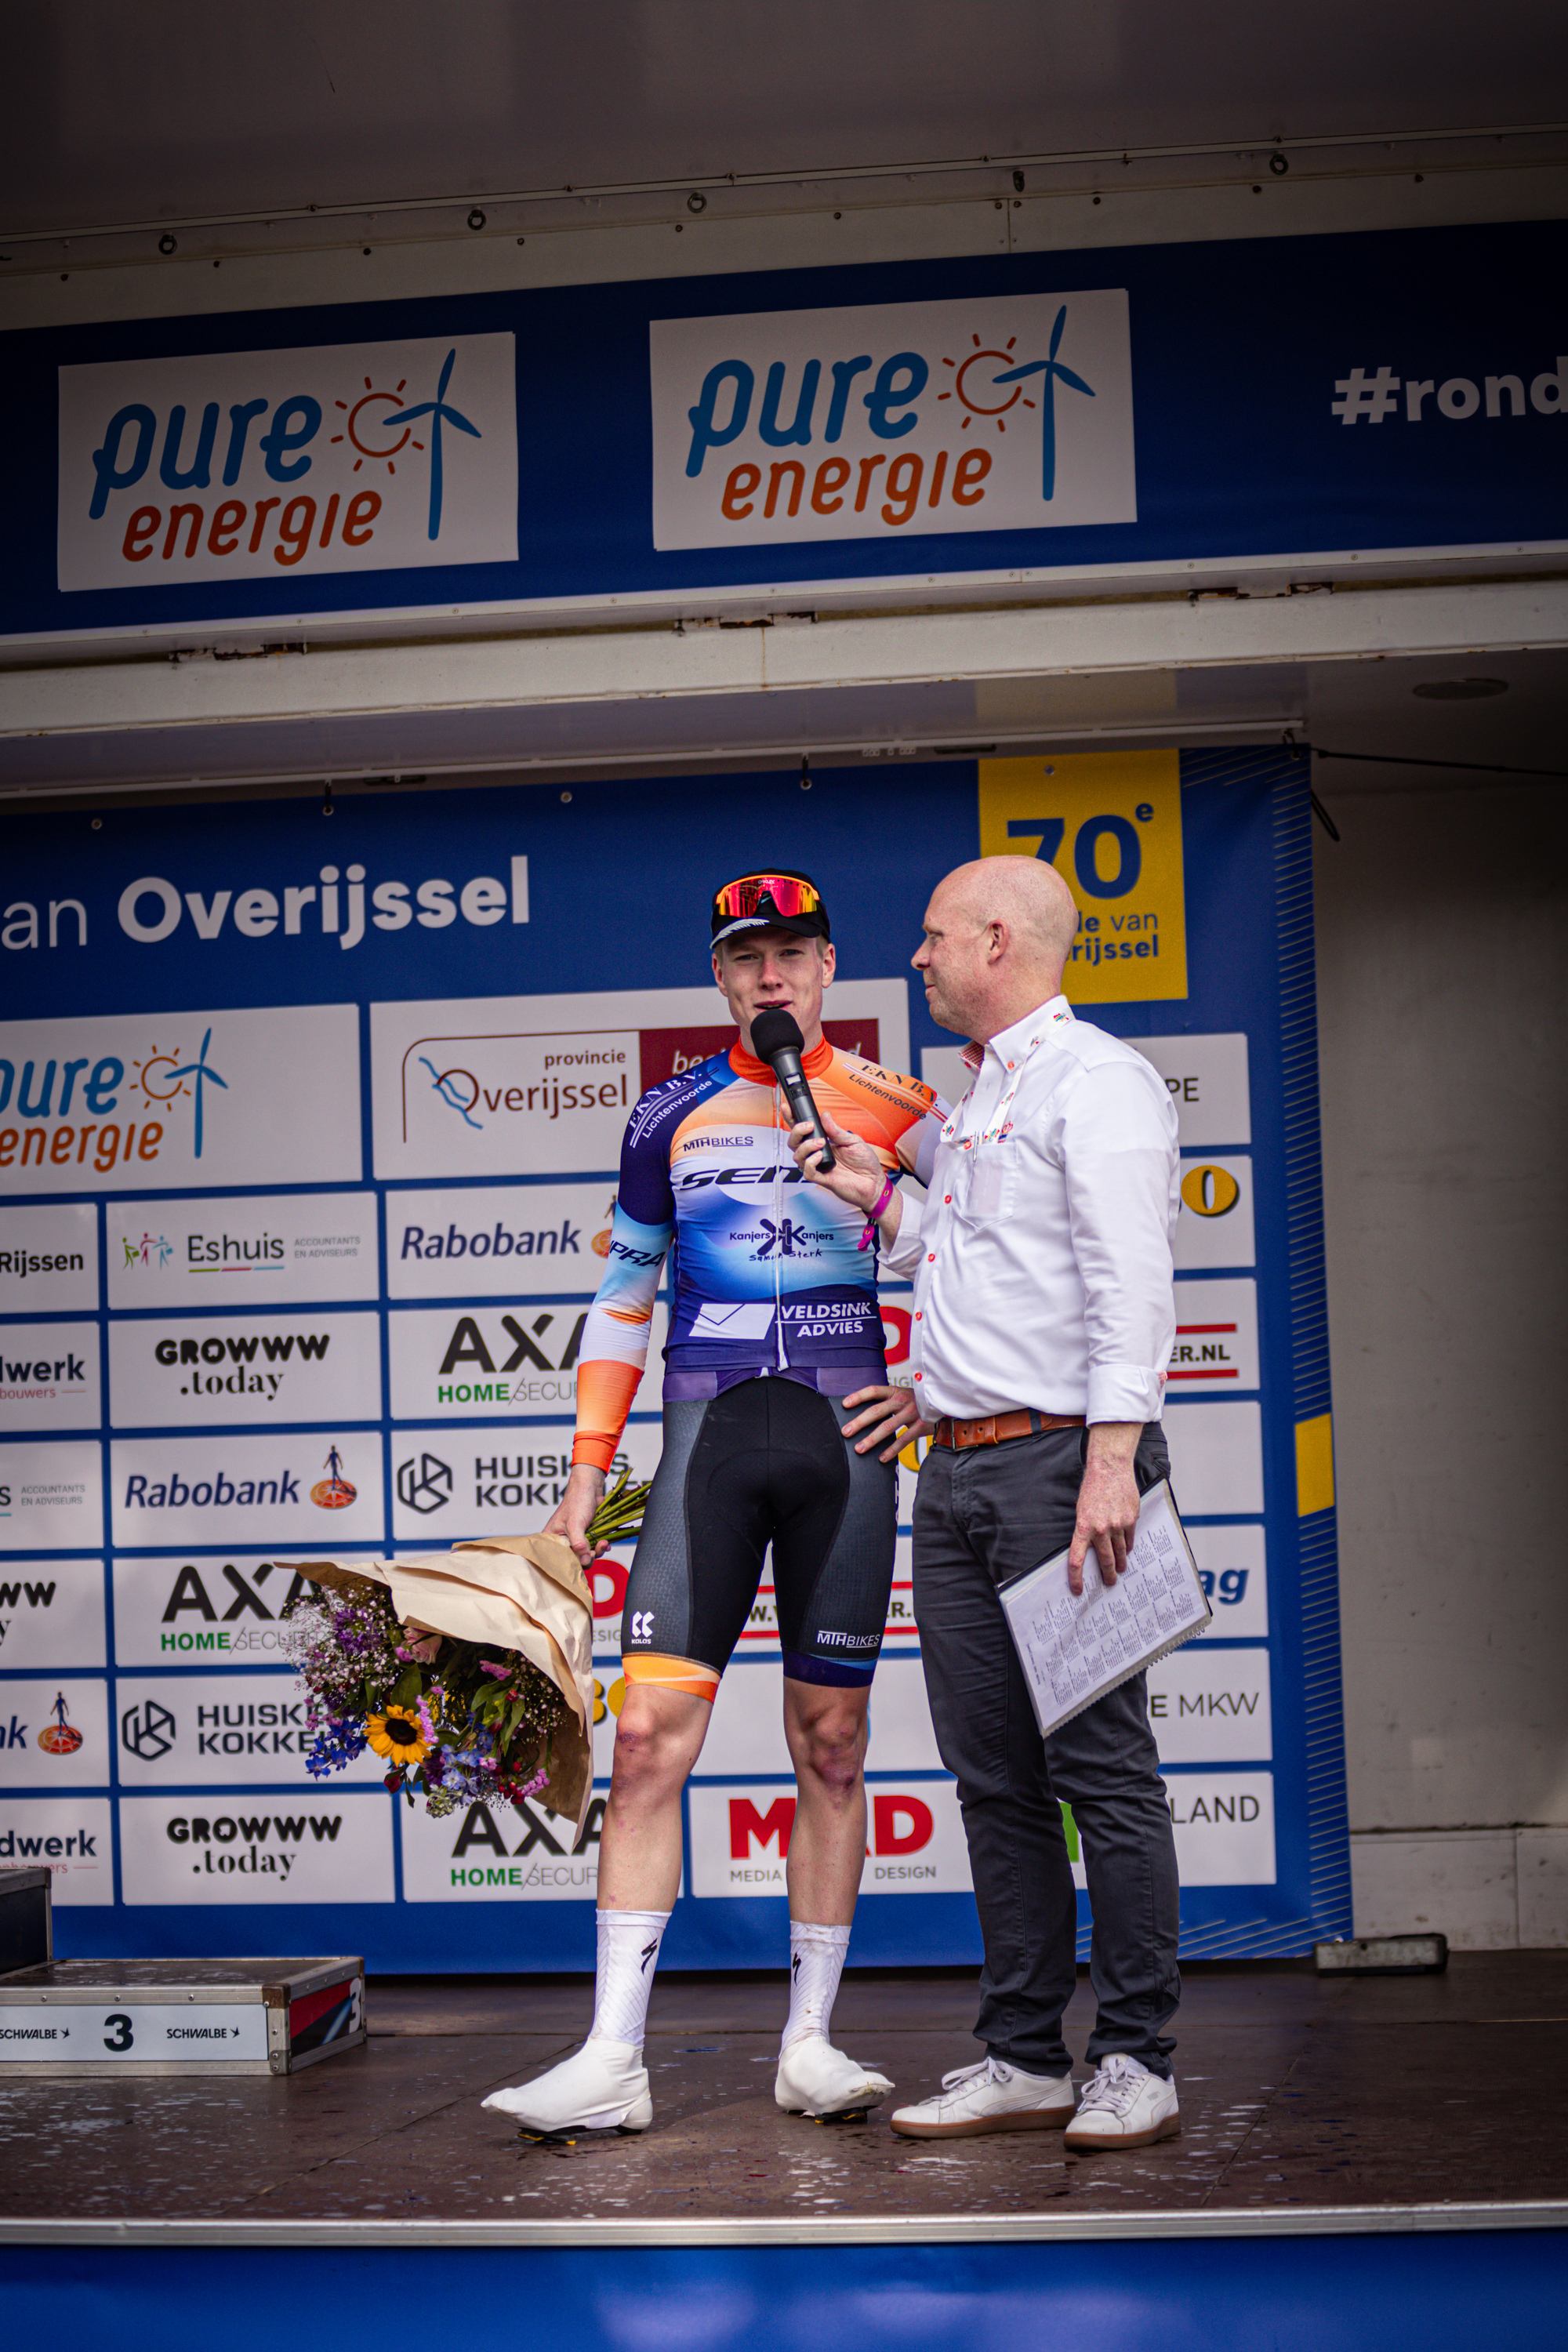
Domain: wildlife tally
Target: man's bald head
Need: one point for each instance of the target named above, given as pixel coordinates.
(998, 933)
(1025, 893)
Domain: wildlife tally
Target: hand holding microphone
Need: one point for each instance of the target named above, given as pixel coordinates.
(776, 1040)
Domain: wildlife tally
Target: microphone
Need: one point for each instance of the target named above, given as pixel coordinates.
(776, 1040)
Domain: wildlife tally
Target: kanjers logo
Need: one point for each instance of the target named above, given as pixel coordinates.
(88, 1095)
(236, 464)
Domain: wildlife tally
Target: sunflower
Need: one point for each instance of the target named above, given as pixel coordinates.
(397, 1735)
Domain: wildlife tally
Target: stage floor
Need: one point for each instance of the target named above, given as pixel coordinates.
(1378, 2103)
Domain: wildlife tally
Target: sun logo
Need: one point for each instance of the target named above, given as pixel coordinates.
(356, 422)
(160, 1076)
(971, 393)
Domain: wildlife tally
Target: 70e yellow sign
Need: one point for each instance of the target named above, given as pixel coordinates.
(1111, 824)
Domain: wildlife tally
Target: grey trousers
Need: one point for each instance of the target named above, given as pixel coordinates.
(981, 1517)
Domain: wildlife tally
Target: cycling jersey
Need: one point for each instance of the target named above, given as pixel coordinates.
(766, 1271)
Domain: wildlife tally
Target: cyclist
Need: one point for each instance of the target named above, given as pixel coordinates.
(774, 1323)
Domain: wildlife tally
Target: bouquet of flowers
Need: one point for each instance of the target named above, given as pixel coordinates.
(403, 1658)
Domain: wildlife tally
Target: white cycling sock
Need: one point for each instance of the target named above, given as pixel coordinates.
(816, 1965)
(628, 1944)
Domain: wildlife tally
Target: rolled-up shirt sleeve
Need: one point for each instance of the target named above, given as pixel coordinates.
(901, 1255)
(1118, 1140)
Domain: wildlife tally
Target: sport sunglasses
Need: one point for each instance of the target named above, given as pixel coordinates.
(791, 895)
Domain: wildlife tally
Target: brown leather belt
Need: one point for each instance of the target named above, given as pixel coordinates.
(999, 1426)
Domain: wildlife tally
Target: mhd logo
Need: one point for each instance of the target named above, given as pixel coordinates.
(348, 456)
(740, 1836)
(1007, 414)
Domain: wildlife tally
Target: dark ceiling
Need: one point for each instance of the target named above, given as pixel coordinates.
(181, 108)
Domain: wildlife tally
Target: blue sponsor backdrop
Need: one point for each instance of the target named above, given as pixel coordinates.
(619, 896)
(1262, 422)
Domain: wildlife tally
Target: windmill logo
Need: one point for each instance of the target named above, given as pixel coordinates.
(163, 1078)
(1055, 371)
(439, 412)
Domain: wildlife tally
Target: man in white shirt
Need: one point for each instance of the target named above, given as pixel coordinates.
(1042, 1322)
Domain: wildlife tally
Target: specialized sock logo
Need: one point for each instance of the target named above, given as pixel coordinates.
(648, 1951)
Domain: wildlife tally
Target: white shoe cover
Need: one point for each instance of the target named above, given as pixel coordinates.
(814, 2079)
(602, 2088)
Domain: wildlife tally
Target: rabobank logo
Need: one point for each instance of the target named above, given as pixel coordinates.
(241, 464)
(992, 415)
(209, 1490)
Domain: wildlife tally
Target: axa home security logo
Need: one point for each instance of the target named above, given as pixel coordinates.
(231, 464)
(1009, 414)
(89, 1111)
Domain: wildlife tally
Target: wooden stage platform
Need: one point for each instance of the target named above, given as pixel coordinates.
(1427, 2114)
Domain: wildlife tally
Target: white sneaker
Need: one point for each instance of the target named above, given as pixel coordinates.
(814, 2079)
(604, 2087)
(1123, 2105)
(989, 2097)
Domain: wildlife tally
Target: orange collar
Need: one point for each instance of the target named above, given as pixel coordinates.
(813, 1061)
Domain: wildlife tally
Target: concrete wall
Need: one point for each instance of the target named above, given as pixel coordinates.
(1443, 997)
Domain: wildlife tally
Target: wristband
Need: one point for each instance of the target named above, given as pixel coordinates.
(874, 1214)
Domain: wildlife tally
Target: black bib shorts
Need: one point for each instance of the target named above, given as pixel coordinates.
(765, 1462)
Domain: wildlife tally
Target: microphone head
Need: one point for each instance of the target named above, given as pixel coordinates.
(775, 1031)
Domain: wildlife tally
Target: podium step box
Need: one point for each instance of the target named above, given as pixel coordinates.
(94, 2018)
(26, 1918)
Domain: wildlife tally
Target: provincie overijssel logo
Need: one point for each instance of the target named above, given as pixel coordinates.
(232, 465)
(1007, 413)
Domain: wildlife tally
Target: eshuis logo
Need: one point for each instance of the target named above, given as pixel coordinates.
(1011, 412)
(337, 457)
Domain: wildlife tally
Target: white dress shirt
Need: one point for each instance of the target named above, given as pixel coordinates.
(1042, 1257)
